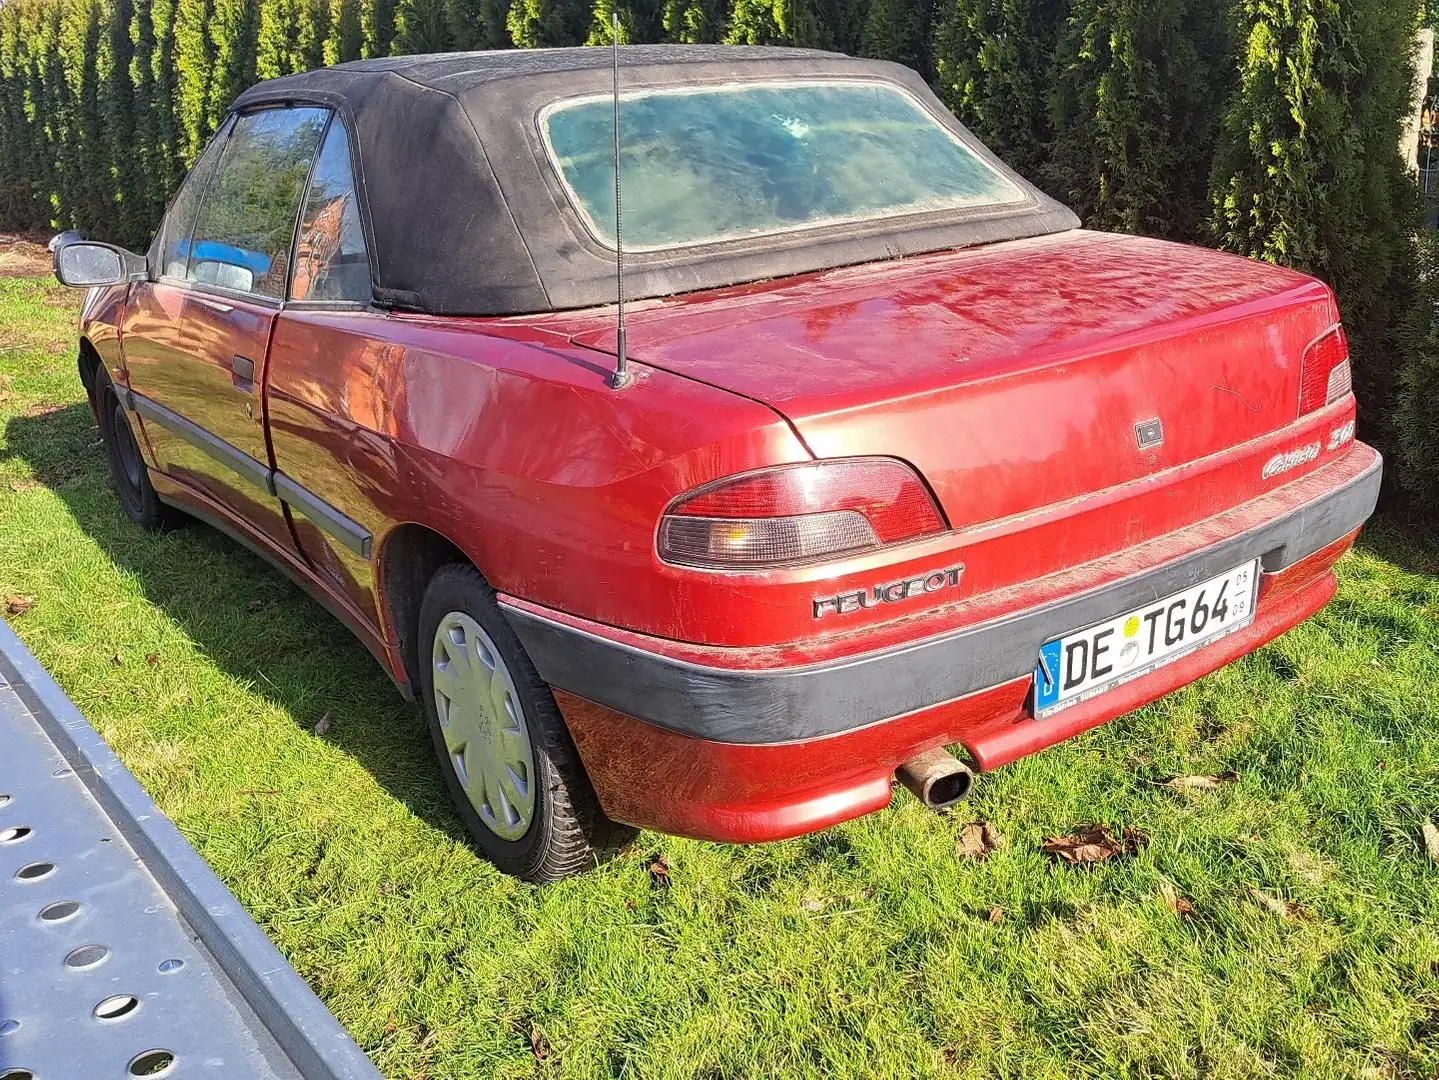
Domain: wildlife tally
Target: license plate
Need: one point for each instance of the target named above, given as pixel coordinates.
(1086, 663)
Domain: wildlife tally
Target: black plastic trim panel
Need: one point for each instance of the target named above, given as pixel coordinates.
(346, 530)
(232, 457)
(349, 532)
(788, 704)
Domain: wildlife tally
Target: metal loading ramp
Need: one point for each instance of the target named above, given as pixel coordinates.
(121, 953)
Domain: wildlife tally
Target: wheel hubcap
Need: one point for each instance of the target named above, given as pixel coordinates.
(484, 726)
(126, 447)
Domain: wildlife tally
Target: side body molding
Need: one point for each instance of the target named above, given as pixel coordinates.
(344, 529)
(257, 472)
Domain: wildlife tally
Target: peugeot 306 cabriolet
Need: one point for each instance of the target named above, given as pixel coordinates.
(904, 458)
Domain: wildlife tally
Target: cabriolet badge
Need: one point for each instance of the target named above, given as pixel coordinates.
(890, 593)
(1290, 459)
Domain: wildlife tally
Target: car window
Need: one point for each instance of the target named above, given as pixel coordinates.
(716, 163)
(180, 221)
(242, 240)
(330, 258)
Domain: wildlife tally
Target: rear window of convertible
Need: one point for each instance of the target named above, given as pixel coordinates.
(715, 163)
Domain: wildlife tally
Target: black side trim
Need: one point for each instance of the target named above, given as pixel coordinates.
(346, 530)
(823, 699)
(257, 472)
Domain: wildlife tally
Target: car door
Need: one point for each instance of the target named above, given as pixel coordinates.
(327, 394)
(197, 336)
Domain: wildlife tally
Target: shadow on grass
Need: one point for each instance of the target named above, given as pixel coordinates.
(1411, 545)
(245, 615)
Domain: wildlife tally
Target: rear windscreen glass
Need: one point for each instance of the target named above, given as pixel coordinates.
(726, 162)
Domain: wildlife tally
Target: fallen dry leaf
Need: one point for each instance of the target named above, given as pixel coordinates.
(15, 604)
(1385, 1070)
(537, 1043)
(977, 840)
(117, 660)
(660, 871)
(1199, 783)
(152, 658)
(1431, 840)
(996, 914)
(630, 905)
(322, 725)
(256, 605)
(1285, 909)
(1172, 900)
(1094, 843)
(22, 485)
(811, 903)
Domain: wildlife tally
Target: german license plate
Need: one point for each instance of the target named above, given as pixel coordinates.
(1086, 663)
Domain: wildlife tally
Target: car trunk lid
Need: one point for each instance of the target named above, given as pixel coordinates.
(1014, 377)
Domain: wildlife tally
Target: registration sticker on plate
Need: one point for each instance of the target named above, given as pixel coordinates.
(1088, 662)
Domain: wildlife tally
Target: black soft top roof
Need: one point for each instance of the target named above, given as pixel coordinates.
(466, 215)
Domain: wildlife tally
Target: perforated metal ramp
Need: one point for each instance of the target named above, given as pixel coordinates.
(121, 953)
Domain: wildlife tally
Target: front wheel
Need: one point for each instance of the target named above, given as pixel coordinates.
(506, 755)
(128, 472)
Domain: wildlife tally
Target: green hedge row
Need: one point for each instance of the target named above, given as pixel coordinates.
(1267, 127)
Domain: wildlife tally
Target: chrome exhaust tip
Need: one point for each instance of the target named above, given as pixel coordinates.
(937, 778)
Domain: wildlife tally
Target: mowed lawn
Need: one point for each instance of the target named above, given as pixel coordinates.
(1282, 923)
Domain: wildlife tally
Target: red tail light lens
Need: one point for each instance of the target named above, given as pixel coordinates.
(1324, 375)
(798, 514)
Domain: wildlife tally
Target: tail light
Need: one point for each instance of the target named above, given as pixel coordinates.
(798, 514)
(1324, 375)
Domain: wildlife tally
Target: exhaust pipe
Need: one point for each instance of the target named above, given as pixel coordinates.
(937, 778)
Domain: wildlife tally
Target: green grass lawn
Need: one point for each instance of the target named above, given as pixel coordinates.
(1306, 944)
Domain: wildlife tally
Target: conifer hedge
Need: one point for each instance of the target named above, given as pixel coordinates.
(1267, 127)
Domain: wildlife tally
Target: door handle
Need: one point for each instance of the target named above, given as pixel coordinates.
(242, 372)
(213, 305)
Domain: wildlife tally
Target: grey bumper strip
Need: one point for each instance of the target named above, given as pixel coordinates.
(349, 532)
(208, 986)
(786, 704)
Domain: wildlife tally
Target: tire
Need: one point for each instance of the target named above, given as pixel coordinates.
(129, 474)
(507, 758)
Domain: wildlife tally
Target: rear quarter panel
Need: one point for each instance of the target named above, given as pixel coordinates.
(509, 443)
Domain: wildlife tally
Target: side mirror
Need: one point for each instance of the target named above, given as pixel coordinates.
(83, 264)
(69, 236)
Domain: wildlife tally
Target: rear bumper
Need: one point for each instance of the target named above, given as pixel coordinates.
(733, 752)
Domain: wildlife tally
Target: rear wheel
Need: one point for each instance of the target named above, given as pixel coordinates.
(506, 755)
(128, 472)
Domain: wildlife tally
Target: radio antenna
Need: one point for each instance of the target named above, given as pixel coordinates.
(622, 375)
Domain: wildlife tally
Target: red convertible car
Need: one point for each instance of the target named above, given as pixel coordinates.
(902, 458)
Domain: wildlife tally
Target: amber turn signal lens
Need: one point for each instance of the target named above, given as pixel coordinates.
(797, 514)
